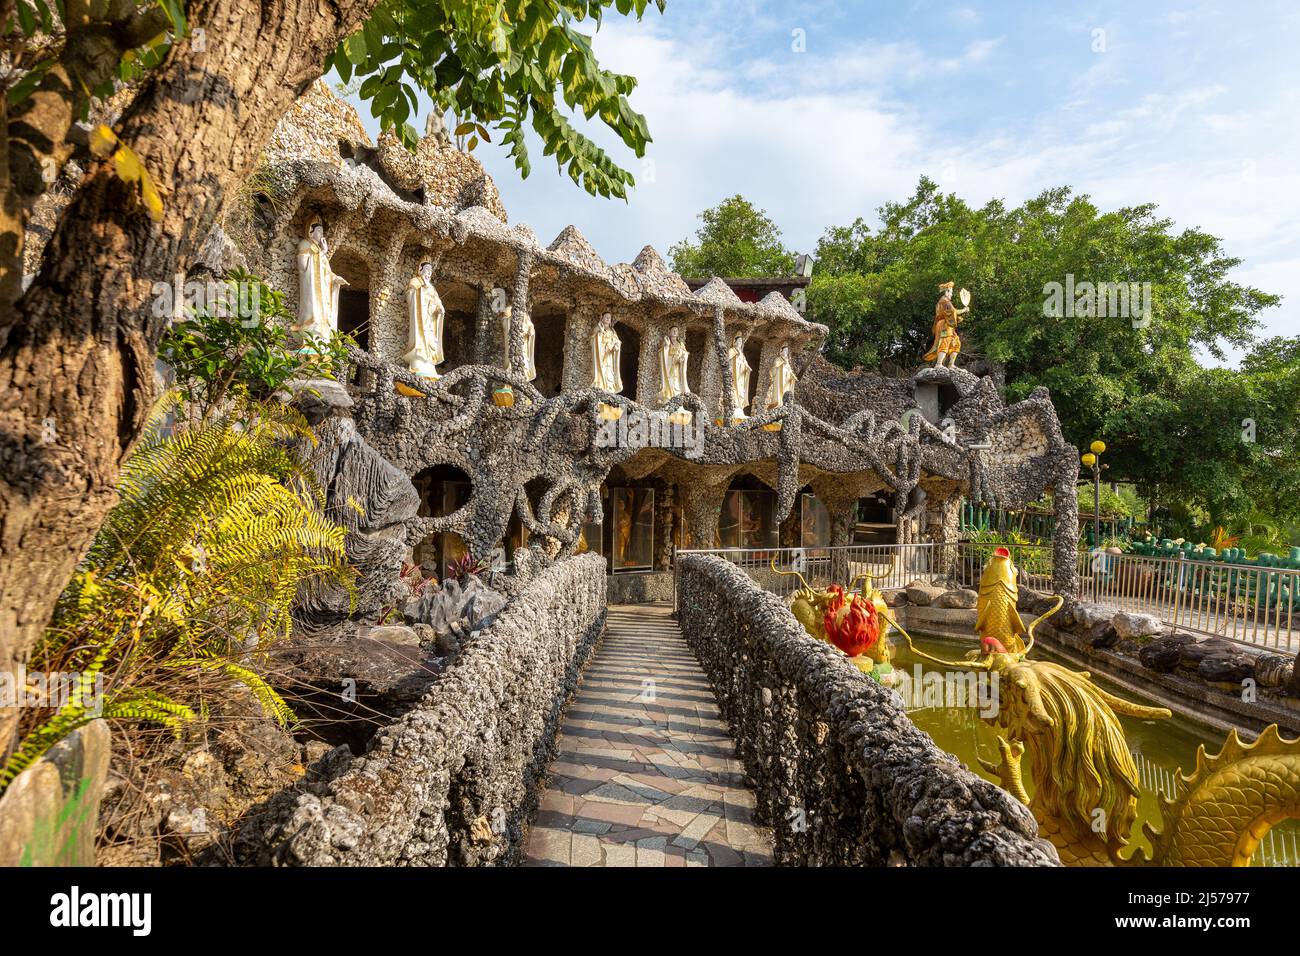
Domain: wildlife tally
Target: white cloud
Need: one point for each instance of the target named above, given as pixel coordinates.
(822, 137)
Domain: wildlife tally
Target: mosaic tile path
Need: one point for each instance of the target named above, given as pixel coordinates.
(646, 773)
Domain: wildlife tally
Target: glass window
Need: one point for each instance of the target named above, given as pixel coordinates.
(748, 520)
(730, 521)
(814, 522)
(632, 543)
(758, 514)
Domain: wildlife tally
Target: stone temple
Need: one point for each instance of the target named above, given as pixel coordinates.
(442, 468)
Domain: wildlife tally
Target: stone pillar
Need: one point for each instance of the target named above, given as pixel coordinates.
(578, 373)
(519, 308)
(844, 516)
(702, 502)
(726, 403)
(944, 529)
(767, 354)
(487, 334)
(665, 511)
(389, 325)
(647, 377)
(1065, 510)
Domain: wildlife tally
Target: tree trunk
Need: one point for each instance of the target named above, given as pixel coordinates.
(77, 357)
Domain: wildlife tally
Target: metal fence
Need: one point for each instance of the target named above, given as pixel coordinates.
(1249, 604)
(1258, 606)
(891, 566)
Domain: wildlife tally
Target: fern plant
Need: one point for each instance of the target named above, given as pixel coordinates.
(191, 579)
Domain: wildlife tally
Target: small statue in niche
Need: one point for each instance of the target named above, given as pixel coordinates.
(318, 286)
(740, 371)
(947, 344)
(780, 380)
(424, 340)
(606, 352)
(673, 360)
(505, 312)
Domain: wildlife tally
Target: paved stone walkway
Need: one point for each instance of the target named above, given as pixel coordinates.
(646, 773)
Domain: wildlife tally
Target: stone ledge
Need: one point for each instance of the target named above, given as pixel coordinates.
(454, 780)
(841, 773)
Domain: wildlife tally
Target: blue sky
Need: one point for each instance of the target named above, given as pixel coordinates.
(1193, 106)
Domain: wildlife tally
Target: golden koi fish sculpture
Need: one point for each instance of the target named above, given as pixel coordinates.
(1085, 780)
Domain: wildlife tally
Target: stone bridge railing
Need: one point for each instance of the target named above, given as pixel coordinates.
(454, 781)
(843, 776)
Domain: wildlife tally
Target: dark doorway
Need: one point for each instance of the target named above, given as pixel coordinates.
(354, 315)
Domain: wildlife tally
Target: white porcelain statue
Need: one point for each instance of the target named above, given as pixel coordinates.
(318, 286)
(739, 377)
(424, 339)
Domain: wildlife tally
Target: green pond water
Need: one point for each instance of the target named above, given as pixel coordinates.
(1160, 748)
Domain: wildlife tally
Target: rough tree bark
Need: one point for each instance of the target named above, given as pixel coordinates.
(77, 354)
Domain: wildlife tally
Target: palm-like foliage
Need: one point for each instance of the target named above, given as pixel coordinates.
(191, 578)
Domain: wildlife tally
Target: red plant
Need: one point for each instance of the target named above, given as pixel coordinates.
(465, 567)
(851, 621)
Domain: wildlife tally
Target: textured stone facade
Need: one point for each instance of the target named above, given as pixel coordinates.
(454, 781)
(539, 466)
(842, 774)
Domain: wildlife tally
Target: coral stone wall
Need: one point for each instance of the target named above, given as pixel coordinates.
(453, 782)
(842, 775)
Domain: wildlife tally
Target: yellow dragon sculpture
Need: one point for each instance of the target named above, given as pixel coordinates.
(1085, 780)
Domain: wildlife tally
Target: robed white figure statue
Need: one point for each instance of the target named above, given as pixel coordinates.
(424, 340)
(782, 379)
(606, 350)
(673, 359)
(318, 286)
(739, 377)
(501, 304)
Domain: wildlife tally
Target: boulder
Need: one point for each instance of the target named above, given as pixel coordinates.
(320, 398)
(49, 814)
(1233, 668)
(896, 598)
(962, 597)
(1132, 625)
(1274, 670)
(1193, 651)
(1088, 615)
(920, 593)
(1102, 634)
(1029, 599)
(393, 634)
(1162, 655)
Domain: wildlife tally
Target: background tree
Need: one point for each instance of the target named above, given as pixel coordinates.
(1174, 427)
(737, 241)
(210, 80)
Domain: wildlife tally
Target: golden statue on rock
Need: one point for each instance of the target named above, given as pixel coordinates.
(947, 343)
(1084, 777)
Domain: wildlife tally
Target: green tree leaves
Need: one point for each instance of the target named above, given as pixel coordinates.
(501, 64)
(737, 241)
(1174, 427)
